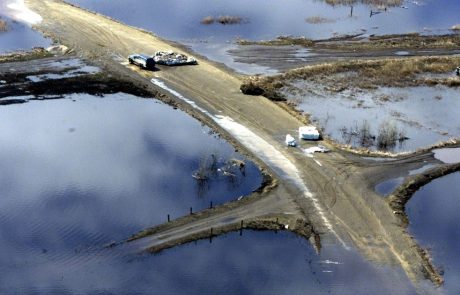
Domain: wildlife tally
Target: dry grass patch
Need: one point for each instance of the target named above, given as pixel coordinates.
(379, 3)
(356, 42)
(281, 41)
(369, 74)
(208, 20)
(3, 25)
(223, 20)
(318, 20)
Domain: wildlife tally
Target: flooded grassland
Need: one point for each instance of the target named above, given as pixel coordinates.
(394, 105)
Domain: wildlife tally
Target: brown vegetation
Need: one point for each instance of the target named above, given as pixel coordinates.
(357, 42)
(208, 20)
(223, 19)
(456, 27)
(36, 53)
(3, 25)
(369, 74)
(280, 41)
(379, 3)
(406, 191)
(318, 20)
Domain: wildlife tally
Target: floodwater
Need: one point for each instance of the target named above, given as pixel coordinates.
(388, 186)
(230, 264)
(81, 172)
(19, 35)
(448, 155)
(433, 214)
(422, 114)
(267, 19)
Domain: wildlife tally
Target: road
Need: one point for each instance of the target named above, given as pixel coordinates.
(331, 192)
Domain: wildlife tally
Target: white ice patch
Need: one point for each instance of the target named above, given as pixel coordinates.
(264, 150)
(22, 13)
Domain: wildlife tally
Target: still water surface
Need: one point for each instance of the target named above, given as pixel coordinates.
(80, 172)
(19, 35)
(433, 214)
(179, 20)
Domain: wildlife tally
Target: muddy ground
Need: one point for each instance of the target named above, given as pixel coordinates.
(330, 192)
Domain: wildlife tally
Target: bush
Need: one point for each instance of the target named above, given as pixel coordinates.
(229, 20)
(250, 88)
(389, 135)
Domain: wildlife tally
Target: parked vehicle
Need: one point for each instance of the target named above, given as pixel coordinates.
(142, 60)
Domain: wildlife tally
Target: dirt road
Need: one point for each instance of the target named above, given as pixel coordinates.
(330, 191)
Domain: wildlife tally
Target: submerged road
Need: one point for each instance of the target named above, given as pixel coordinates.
(333, 193)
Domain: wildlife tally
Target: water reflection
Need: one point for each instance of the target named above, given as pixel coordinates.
(19, 35)
(433, 214)
(267, 19)
(419, 114)
(230, 265)
(80, 172)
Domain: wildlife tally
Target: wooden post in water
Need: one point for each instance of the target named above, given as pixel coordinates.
(191, 211)
(169, 218)
(210, 237)
(210, 205)
(351, 11)
(277, 224)
(241, 228)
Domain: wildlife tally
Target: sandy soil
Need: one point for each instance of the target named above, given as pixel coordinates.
(330, 191)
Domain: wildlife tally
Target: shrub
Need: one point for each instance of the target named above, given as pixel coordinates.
(251, 88)
(229, 20)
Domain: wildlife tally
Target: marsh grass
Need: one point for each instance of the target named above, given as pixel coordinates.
(378, 3)
(368, 74)
(208, 20)
(318, 20)
(3, 25)
(280, 41)
(356, 42)
(223, 20)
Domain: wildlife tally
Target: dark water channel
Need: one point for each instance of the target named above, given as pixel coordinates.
(434, 221)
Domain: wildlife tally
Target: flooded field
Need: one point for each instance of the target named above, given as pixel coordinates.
(83, 171)
(418, 116)
(433, 214)
(231, 264)
(18, 34)
(265, 20)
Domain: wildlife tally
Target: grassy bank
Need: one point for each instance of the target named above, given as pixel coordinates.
(35, 53)
(359, 43)
(368, 74)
